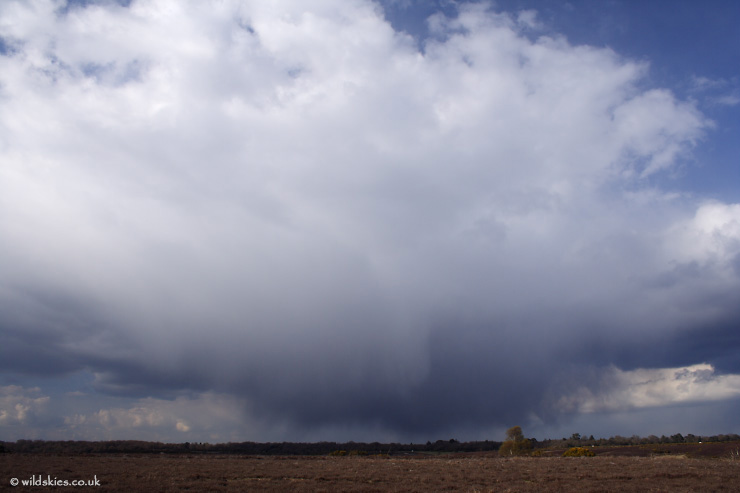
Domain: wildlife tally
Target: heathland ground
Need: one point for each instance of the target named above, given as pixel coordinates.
(665, 467)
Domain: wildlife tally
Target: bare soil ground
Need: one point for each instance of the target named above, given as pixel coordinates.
(471, 472)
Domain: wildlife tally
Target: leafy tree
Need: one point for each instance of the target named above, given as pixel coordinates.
(677, 438)
(515, 443)
(515, 434)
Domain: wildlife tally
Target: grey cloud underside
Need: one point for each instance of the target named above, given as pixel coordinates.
(476, 373)
(348, 232)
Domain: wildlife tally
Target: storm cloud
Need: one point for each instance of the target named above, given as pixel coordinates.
(288, 216)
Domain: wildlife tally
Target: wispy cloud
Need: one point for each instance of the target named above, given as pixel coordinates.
(717, 91)
(206, 417)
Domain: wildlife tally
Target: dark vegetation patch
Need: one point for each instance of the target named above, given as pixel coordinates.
(691, 445)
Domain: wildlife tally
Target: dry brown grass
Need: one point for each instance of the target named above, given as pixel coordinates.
(484, 472)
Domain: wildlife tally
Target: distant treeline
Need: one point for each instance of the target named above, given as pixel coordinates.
(578, 440)
(324, 448)
(246, 448)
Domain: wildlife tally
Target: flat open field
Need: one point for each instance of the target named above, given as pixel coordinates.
(469, 472)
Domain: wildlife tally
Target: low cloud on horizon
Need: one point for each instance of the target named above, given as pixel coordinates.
(285, 221)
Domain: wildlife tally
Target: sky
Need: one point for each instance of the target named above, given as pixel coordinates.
(305, 220)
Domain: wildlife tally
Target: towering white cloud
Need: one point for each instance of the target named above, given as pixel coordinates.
(288, 201)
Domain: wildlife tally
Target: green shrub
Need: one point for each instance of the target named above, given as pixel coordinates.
(338, 453)
(578, 452)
